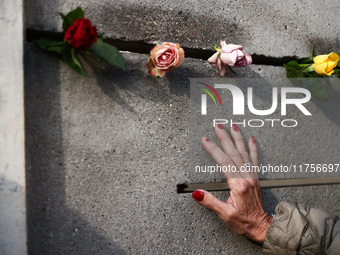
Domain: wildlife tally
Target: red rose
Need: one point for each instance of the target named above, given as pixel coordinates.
(81, 34)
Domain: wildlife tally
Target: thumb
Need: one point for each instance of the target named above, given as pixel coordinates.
(211, 202)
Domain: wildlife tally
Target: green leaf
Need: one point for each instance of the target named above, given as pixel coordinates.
(313, 52)
(43, 43)
(308, 68)
(216, 48)
(294, 64)
(62, 15)
(305, 61)
(76, 61)
(292, 72)
(313, 75)
(70, 59)
(57, 49)
(336, 71)
(40, 45)
(50, 45)
(317, 89)
(69, 18)
(108, 53)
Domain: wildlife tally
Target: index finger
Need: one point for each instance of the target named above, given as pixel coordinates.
(221, 158)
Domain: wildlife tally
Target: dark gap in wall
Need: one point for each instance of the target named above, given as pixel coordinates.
(144, 48)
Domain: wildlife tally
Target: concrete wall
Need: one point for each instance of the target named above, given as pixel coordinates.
(273, 28)
(12, 150)
(105, 154)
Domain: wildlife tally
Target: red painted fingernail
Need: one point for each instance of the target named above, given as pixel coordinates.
(198, 195)
(253, 139)
(235, 127)
(219, 126)
(207, 139)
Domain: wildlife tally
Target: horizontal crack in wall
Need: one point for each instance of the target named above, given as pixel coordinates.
(144, 48)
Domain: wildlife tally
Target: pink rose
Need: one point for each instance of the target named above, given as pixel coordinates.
(164, 57)
(230, 55)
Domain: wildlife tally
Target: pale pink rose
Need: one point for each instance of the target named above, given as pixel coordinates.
(230, 55)
(164, 57)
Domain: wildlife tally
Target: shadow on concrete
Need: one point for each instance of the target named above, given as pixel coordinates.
(118, 84)
(174, 26)
(331, 108)
(323, 46)
(51, 226)
(143, 85)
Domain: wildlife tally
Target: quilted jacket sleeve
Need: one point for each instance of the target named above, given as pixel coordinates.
(296, 229)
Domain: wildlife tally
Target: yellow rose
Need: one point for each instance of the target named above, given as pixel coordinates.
(324, 64)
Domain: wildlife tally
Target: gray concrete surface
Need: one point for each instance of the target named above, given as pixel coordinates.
(106, 152)
(12, 149)
(273, 28)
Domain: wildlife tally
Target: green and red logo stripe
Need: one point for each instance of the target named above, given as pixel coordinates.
(209, 93)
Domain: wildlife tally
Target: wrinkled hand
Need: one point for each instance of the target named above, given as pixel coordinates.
(243, 211)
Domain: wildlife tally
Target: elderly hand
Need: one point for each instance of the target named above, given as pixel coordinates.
(243, 211)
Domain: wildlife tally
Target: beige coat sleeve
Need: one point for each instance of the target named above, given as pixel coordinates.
(296, 229)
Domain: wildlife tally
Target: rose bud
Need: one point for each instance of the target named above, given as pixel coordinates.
(81, 34)
(230, 55)
(324, 64)
(164, 57)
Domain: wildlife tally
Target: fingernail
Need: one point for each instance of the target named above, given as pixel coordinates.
(235, 127)
(219, 126)
(198, 195)
(207, 139)
(253, 139)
